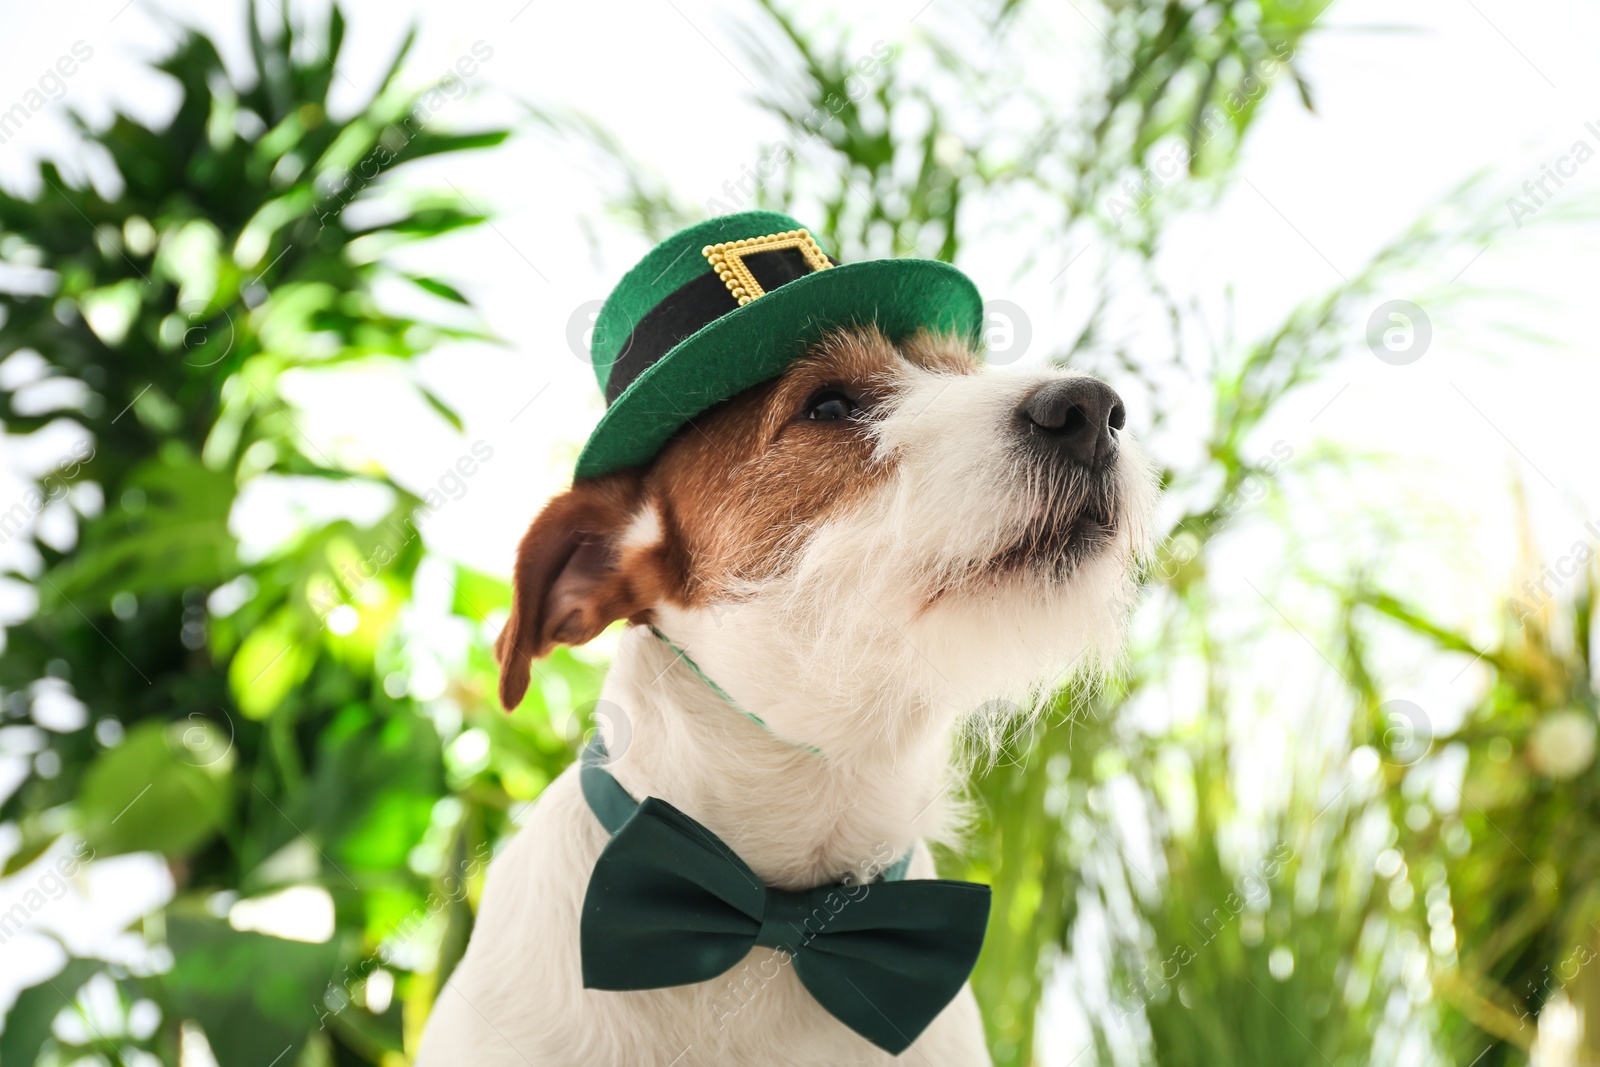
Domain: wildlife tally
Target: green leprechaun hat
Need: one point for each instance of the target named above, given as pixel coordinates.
(729, 303)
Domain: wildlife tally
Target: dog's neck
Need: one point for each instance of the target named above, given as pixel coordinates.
(799, 816)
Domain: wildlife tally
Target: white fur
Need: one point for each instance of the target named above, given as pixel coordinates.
(843, 652)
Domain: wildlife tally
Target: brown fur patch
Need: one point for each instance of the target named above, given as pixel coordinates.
(742, 486)
(735, 493)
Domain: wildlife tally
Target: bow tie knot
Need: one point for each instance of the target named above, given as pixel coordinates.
(790, 920)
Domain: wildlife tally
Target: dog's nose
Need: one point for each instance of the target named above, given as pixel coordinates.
(1079, 417)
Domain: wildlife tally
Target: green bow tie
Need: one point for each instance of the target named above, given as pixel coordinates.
(669, 904)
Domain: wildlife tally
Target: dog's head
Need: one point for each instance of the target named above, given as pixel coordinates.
(894, 529)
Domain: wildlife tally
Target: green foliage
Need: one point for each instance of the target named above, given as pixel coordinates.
(246, 990)
(248, 719)
(1511, 798)
(144, 796)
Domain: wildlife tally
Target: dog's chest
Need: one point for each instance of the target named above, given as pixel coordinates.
(517, 998)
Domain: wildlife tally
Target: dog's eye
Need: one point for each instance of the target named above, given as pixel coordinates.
(831, 405)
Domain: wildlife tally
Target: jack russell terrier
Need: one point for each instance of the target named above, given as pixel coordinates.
(834, 534)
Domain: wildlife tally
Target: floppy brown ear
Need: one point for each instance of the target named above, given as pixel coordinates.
(567, 585)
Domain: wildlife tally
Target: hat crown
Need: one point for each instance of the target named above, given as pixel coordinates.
(664, 269)
(732, 302)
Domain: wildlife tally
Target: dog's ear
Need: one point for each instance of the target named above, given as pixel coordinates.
(567, 585)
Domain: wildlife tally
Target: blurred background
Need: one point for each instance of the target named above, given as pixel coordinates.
(294, 305)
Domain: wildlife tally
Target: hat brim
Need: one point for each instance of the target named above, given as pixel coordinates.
(758, 342)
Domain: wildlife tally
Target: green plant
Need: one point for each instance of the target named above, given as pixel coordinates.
(1510, 799)
(248, 719)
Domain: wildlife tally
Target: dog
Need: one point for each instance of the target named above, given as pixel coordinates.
(858, 553)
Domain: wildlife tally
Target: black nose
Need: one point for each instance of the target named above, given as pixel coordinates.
(1077, 416)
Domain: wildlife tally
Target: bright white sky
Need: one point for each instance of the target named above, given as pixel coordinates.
(1412, 98)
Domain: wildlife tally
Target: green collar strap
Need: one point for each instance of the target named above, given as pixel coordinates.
(670, 904)
(717, 689)
(613, 805)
